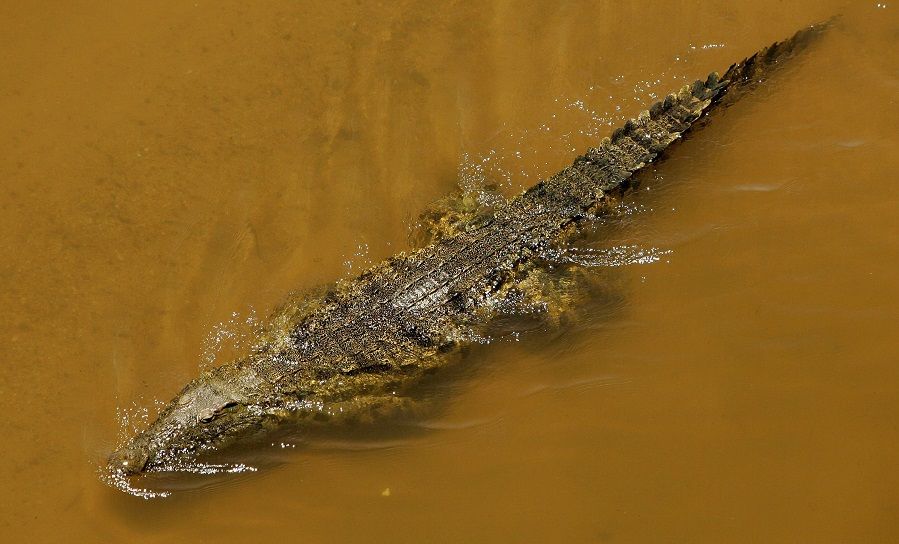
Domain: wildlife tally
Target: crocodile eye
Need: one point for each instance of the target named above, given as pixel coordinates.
(207, 416)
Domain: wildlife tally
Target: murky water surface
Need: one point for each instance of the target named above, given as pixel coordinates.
(171, 171)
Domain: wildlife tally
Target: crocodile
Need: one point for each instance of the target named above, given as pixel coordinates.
(353, 351)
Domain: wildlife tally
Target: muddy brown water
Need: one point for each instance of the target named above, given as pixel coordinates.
(171, 169)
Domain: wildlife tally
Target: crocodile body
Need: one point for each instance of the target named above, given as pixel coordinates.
(354, 351)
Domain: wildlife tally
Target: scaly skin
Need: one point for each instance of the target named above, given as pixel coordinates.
(353, 352)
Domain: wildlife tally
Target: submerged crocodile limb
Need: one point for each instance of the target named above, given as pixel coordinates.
(353, 352)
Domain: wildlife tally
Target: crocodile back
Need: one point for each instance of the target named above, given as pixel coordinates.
(400, 314)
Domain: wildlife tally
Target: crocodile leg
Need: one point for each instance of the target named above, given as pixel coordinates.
(460, 211)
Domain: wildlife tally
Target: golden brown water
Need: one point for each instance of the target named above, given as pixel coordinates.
(167, 165)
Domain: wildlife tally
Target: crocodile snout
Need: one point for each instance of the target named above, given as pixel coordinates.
(129, 459)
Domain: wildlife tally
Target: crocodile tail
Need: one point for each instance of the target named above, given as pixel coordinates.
(642, 139)
(747, 74)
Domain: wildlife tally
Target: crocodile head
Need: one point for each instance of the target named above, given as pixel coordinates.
(212, 411)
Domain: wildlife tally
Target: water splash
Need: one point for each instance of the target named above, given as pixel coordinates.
(118, 480)
(359, 260)
(206, 469)
(131, 419)
(238, 333)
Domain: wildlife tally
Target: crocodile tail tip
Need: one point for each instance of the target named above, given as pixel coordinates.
(748, 71)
